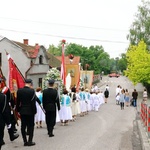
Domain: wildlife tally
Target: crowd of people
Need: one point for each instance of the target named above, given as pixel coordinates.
(36, 107)
(123, 98)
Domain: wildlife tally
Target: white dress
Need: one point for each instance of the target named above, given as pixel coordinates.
(96, 102)
(101, 98)
(40, 115)
(87, 99)
(74, 106)
(78, 103)
(65, 112)
(82, 101)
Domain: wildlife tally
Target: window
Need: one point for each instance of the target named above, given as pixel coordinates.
(0, 59)
(31, 62)
(40, 82)
(40, 59)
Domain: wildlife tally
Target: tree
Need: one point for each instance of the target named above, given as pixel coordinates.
(122, 62)
(138, 60)
(140, 28)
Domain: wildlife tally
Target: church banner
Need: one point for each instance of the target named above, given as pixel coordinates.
(87, 78)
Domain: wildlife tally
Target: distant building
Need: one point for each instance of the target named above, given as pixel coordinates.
(32, 61)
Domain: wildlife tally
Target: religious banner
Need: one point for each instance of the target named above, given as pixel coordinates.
(87, 78)
(73, 71)
(16, 79)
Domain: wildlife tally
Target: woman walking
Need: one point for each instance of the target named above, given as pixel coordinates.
(122, 99)
(127, 98)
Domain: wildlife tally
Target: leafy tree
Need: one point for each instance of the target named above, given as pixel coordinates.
(95, 56)
(122, 62)
(140, 28)
(138, 58)
(54, 50)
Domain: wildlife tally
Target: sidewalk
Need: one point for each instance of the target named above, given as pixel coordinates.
(145, 140)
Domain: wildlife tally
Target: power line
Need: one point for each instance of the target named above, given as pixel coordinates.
(60, 36)
(76, 26)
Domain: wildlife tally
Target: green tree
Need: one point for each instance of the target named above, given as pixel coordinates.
(54, 50)
(140, 28)
(122, 63)
(138, 58)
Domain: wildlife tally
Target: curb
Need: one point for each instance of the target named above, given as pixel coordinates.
(144, 138)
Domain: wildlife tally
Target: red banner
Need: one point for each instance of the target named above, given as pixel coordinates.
(16, 79)
(3, 84)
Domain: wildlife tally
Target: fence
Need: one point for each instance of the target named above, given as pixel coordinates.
(145, 117)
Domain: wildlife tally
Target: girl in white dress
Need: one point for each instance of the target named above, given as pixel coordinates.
(82, 102)
(87, 99)
(65, 112)
(96, 102)
(40, 116)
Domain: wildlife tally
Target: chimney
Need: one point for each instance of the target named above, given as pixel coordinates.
(37, 46)
(25, 41)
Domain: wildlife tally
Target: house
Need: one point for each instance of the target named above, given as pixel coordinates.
(32, 61)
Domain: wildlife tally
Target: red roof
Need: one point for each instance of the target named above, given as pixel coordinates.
(76, 60)
(31, 51)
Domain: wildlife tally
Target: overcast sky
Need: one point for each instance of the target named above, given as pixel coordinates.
(85, 22)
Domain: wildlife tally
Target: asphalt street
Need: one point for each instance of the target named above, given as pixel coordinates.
(108, 129)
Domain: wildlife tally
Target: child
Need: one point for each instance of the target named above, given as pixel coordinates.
(117, 99)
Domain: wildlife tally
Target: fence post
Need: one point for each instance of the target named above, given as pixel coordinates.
(142, 113)
(148, 121)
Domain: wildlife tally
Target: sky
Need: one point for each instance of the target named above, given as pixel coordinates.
(86, 22)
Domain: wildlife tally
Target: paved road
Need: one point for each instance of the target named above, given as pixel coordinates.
(109, 129)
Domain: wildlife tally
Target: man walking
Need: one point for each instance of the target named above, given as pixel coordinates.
(50, 99)
(134, 95)
(26, 106)
(5, 118)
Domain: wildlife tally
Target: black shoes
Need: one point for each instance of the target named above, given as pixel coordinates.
(3, 143)
(29, 143)
(15, 136)
(51, 135)
(26, 144)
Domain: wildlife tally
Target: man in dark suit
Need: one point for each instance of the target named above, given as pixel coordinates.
(26, 106)
(5, 118)
(50, 99)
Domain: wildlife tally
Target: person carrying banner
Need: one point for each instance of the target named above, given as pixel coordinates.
(26, 106)
(5, 118)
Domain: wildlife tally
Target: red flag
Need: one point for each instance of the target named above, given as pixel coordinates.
(3, 84)
(63, 71)
(16, 79)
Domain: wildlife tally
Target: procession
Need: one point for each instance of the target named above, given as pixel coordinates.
(37, 107)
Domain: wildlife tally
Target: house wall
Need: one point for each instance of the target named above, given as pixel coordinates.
(39, 70)
(17, 54)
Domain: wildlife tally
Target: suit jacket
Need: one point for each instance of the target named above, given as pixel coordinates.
(4, 106)
(26, 101)
(50, 99)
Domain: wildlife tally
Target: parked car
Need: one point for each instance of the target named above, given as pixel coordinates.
(114, 75)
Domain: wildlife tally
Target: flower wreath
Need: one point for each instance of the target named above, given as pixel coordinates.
(53, 73)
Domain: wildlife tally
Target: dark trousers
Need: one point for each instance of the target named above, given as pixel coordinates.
(27, 122)
(1, 134)
(50, 121)
(122, 105)
(134, 102)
